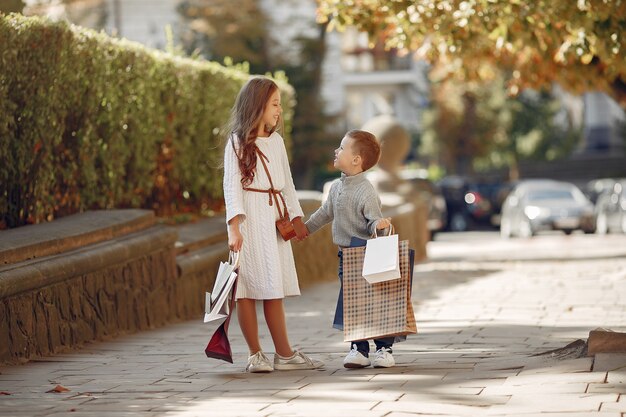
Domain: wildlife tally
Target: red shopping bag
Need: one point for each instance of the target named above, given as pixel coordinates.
(219, 345)
(219, 308)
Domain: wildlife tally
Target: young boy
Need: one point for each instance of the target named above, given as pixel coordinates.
(353, 206)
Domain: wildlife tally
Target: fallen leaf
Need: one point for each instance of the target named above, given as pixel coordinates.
(59, 388)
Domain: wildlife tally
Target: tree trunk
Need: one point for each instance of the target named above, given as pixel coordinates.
(466, 136)
(514, 171)
(618, 92)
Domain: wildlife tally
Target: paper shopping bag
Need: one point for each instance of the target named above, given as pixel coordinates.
(338, 319)
(377, 310)
(382, 259)
(219, 307)
(219, 345)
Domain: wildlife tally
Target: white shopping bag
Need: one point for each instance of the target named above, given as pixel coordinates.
(217, 308)
(382, 259)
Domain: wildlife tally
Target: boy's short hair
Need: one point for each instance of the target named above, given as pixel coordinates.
(365, 145)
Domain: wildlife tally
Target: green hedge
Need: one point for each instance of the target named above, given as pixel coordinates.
(89, 121)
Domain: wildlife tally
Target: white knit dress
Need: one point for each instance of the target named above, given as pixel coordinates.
(266, 266)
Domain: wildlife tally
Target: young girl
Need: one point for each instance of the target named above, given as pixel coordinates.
(266, 267)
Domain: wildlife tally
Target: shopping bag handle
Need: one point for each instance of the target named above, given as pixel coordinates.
(233, 258)
(391, 231)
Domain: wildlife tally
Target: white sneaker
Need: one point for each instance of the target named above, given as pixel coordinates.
(384, 358)
(297, 361)
(355, 359)
(259, 363)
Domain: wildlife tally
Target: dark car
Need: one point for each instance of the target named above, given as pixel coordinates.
(536, 205)
(469, 202)
(499, 196)
(611, 209)
(437, 209)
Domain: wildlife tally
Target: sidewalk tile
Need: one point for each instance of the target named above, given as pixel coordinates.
(544, 378)
(554, 403)
(421, 407)
(619, 407)
(550, 388)
(607, 388)
(616, 377)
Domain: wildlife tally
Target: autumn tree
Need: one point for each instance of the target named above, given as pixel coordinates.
(473, 127)
(313, 142)
(575, 43)
(216, 29)
(463, 123)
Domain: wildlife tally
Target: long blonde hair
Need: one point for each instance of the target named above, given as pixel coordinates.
(245, 118)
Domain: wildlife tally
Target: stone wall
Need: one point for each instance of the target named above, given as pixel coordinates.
(123, 282)
(130, 274)
(134, 295)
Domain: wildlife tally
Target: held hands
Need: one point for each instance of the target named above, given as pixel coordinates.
(302, 232)
(383, 223)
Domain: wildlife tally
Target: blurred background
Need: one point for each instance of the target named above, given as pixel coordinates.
(475, 131)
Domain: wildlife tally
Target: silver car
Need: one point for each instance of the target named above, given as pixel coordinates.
(536, 205)
(611, 209)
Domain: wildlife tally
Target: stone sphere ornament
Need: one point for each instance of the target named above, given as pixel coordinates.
(394, 139)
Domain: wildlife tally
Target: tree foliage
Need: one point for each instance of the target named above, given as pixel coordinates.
(217, 29)
(238, 31)
(313, 143)
(475, 127)
(9, 6)
(575, 43)
(88, 13)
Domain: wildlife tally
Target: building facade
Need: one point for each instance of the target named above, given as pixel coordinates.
(361, 82)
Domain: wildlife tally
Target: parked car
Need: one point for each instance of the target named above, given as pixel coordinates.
(437, 209)
(594, 188)
(468, 202)
(500, 192)
(536, 205)
(611, 209)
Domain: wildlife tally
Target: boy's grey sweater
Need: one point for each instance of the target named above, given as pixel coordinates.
(353, 205)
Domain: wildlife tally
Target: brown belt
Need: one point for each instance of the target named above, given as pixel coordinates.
(270, 192)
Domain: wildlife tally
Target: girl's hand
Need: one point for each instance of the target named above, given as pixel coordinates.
(235, 240)
(302, 232)
(383, 223)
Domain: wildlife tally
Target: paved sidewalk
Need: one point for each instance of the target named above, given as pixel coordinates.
(483, 309)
